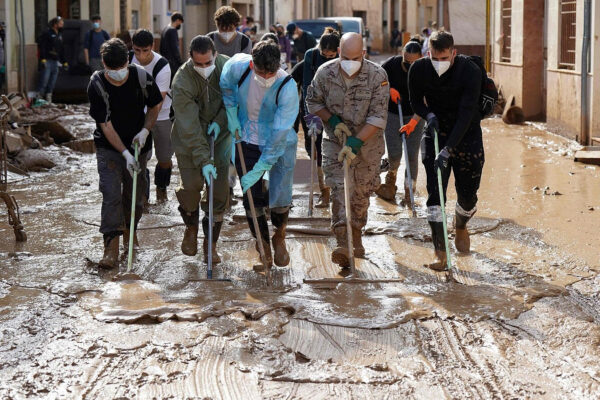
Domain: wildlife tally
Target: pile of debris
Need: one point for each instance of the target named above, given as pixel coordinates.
(30, 130)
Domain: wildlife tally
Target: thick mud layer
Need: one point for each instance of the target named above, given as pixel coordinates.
(516, 318)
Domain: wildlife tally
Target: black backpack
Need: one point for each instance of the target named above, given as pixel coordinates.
(489, 92)
(285, 80)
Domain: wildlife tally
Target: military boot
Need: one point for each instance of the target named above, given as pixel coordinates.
(359, 250)
(111, 252)
(439, 245)
(215, 232)
(461, 234)
(281, 257)
(340, 254)
(189, 245)
(325, 195)
(387, 190)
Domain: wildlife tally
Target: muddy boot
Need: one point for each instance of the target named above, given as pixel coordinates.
(111, 252)
(49, 98)
(461, 238)
(189, 245)
(387, 191)
(216, 232)
(162, 178)
(232, 200)
(325, 195)
(281, 257)
(264, 233)
(161, 195)
(340, 254)
(359, 250)
(437, 236)
(136, 244)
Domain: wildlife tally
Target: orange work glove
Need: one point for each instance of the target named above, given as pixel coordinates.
(395, 96)
(410, 127)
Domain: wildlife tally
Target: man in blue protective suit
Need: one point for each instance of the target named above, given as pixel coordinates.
(262, 105)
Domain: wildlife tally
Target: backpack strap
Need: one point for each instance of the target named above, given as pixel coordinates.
(245, 42)
(244, 76)
(285, 80)
(96, 80)
(314, 62)
(160, 64)
(142, 79)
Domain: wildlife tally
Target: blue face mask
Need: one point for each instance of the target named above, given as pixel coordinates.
(96, 25)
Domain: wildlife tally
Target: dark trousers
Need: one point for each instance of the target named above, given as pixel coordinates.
(466, 163)
(116, 186)
(259, 194)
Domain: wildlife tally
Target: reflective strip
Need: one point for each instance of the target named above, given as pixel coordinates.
(434, 214)
(461, 211)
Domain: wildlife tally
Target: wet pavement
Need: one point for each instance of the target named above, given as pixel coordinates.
(518, 318)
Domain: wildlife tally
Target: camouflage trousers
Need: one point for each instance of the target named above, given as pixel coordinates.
(363, 179)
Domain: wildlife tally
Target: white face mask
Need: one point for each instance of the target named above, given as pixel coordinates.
(350, 67)
(264, 82)
(440, 66)
(205, 72)
(227, 36)
(118, 75)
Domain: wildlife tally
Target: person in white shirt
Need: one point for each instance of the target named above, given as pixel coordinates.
(159, 68)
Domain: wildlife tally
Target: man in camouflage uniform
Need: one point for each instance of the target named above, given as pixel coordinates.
(350, 95)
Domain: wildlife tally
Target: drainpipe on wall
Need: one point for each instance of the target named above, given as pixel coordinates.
(488, 52)
(586, 138)
(440, 19)
(21, 35)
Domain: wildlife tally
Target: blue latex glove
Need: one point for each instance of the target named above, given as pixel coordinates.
(207, 171)
(254, 175)
(214, 129)
(233, 123)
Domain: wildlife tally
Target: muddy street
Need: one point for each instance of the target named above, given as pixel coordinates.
(517, 319)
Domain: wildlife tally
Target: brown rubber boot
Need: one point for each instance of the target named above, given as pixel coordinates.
(161, 195)
(136, 244)
(282, 257)
(440, 264)
(264, 234)
(462, 239)
(340, 254)
(439, 245)
(216, 259)
(359, 250)
(267, 247)
(189, 244)
(111, 253)
(387, 191)
(325, 196)
(216, 232)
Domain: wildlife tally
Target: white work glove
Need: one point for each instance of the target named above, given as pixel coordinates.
(132, 165)
(141, 137)
(340, 131)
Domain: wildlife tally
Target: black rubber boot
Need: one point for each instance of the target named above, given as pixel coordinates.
(439, 244)
(162, 179)
(281, 257)
(216, 232)
(189, 245)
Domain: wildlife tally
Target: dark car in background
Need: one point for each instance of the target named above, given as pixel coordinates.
(317, 26)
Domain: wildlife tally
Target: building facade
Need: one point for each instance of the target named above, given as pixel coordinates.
(537, 57)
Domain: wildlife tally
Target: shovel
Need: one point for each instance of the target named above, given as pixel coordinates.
(312, 170)
(443, 206)
(408, 174)
(266, 265)
(128, 275)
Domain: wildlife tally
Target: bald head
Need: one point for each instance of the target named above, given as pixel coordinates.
(351, 46)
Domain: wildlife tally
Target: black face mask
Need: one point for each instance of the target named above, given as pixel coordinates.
(178, 27)
(60, 30)
(406, 65)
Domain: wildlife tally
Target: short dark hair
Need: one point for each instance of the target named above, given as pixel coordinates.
(413, 47)
(249, 19)
(441, 40)
(143, 38)
(227, 16)
(114, 53)
(266, 56)
(269, 36)
(95, 18)
(202, 44)
(54, 21)
(176, 16)
(330, 39)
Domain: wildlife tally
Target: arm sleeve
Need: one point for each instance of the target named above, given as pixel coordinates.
(298, 72)
(380, 89)
(312, 42)
(174, 44)
(86, 40)
(189, 128)
(43, 43)
(283, 124)
(468, 106)
(229, 84)
(248, 48)
(307, 73)
(97, 105)
(315, 94)
(416, 92)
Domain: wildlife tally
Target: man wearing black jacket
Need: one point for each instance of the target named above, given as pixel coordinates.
(169, 43)
(52, 56)
(445, 90)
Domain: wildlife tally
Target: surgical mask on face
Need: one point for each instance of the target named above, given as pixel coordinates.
(265, 82)
(440, 66)
(351, 67)
(96, 25)
(205, 72)
(227, 36)
(117, 75)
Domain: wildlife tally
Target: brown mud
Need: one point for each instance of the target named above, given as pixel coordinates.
(519, 319)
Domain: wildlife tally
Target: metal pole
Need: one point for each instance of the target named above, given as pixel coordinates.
(440, 20)
(210, 212)
(586, 138)
(488, 48)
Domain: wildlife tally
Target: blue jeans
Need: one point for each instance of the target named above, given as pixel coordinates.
(48, 77)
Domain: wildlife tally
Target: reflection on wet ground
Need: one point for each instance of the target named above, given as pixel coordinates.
(516, 319)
